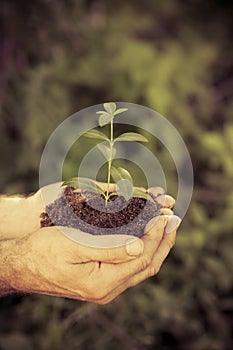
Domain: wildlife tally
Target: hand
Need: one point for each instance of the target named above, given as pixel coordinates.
(48, 263)
(20, 215)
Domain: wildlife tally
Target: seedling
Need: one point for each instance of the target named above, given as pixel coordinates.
(120, 176)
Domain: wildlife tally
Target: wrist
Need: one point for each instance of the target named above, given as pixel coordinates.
(17, 273)
(8, 271)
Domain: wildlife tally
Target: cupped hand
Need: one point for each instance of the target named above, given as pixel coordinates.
(45, 261)
(51, 264)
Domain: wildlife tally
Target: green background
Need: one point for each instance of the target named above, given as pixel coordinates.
(58, 57)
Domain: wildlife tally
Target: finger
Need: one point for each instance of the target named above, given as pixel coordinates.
(151, 239)
(166, 201)
(136, 270)
(166, 243)
(166, 211)
(173, 223)
(156, 191)
(129, 249)
(113, 248)
(164, 248)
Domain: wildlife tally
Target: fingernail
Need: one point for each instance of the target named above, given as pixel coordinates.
(156, 191)
(172, 224)
(134, 247)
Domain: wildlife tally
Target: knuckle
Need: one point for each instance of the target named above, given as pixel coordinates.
(145, 262)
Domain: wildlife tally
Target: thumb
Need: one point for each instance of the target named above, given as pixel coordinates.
(129, 249)
(107, 248)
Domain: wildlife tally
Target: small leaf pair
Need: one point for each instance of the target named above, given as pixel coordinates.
(127, 136)
(110, 112)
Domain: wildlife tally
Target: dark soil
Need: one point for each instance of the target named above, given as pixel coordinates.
(87, 212)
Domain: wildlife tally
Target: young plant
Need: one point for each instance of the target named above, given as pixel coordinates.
(120, 176)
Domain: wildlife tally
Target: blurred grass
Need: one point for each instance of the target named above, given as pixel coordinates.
(175, 57)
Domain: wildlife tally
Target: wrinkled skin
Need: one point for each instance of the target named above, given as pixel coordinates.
(44, 261)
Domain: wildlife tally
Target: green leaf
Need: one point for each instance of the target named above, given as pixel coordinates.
(125, 188)
(84, 184)
(71, 182)
(102, 112)
(141, 194)
(95, 134)
(115, 174)
(131, 136)
(89, 185)
(106, 151)
(104, 119)
(120, 173)
(124, 181)
(125, 174)
(120, 110)
(110, 107)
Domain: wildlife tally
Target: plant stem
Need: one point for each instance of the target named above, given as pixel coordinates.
(109, 162)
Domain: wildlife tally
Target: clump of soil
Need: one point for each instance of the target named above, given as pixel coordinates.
(87, 212)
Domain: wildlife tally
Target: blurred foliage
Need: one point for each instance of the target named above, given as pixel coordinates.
(58, 57)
